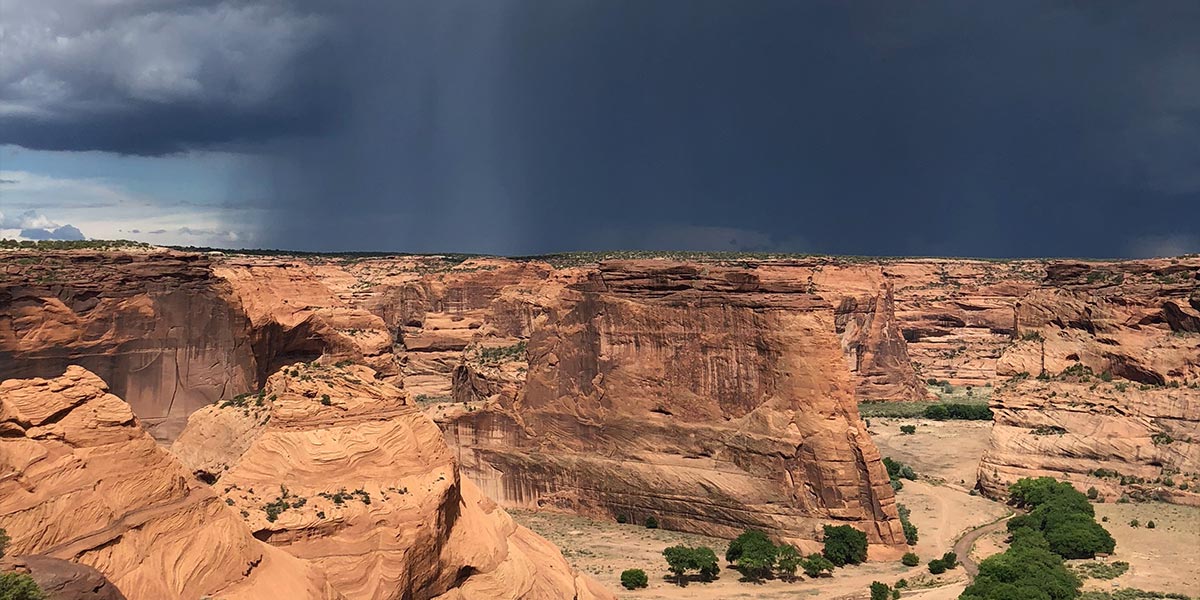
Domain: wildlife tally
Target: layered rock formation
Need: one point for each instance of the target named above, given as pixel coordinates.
(711, 398)
(1105, 382)
(80, 480)
(337, 468)
(159, 327)
(63, 580)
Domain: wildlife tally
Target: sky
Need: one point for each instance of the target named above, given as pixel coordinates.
(947, 128)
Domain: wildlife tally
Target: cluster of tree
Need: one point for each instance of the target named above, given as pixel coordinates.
(1027, 570)
(896, 471)
(16, 586)
(1062, 515)
(910, 530)
(681, 559)
(958, 411)
(948, 560)
(1061, 524)
(881, 591)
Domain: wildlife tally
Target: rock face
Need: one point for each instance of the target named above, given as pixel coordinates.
(1117, 403)
(710, 398)
(158, 327)
(62, 580)
(338, 469)
(80, 480)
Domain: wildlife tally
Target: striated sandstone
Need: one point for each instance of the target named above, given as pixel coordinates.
(710, 398)
(335, 467)
(81, 481)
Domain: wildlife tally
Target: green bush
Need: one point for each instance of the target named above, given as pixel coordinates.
(910, 559)
(622, 519)
(633, 579)
(937, 567)
(910, 530)
(787, 560)
(4, 540)
(651, 523)
(756, 557)
(1150, 525)
(734, 551)
(845, 545)
(1093, 493)
(815, 565)
(908, 429)
(19, 586)
(681, 559)
(880, 591)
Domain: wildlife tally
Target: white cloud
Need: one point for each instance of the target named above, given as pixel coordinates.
(40, 207)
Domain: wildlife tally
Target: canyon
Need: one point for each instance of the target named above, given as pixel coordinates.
(712, 393)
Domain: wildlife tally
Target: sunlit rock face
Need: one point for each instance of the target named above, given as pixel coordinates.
(337, 468)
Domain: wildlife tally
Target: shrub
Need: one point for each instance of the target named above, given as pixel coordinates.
(815, 565)
(19, 586)
(633, 579)
(622, 519)
(757, 556)
(4, 540)
(325, 400)
(910, 559)
(734, 551)
(908, 429)
(910, 530)
(845, 545)
(651, 523)
(787, 561)
(1092, 493)
(880, 591)
(681, 559)
(1150, 525)
(1134, 523)
(937, 567)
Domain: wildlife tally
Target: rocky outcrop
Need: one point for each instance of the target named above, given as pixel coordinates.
(337, 468)
(159, 327)
(80, 480)
(1104, 385)
(63, 580)
(713, 399)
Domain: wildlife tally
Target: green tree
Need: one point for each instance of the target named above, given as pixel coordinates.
(634, 578)
(19, 586)
(880, 591)
(910, 559)
(679, 562)
(735, 547)
(705, 561)
(845, 545)
(937, 412)
(4, 540)
(815, 565)
(651, 522)
(788, 560)
(1026, 571)
(757, 557)
(937, 567)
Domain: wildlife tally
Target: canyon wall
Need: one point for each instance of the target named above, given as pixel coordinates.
(80, 480)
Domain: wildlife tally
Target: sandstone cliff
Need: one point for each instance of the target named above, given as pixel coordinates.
(80, 480)
(63, 580)
(337, 468)
(708, 397)
(1104, 385)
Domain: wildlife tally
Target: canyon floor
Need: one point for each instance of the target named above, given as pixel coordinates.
(945, 455)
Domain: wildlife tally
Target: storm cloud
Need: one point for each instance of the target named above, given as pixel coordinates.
(950, 128)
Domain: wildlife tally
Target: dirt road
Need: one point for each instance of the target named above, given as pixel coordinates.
(964, 545)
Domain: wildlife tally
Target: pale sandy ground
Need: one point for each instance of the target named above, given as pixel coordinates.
(949, 450)
(1163, 559)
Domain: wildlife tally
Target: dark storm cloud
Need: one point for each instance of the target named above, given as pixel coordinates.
(980, 128)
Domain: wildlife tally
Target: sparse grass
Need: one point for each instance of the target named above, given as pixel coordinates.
(1099, 570)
